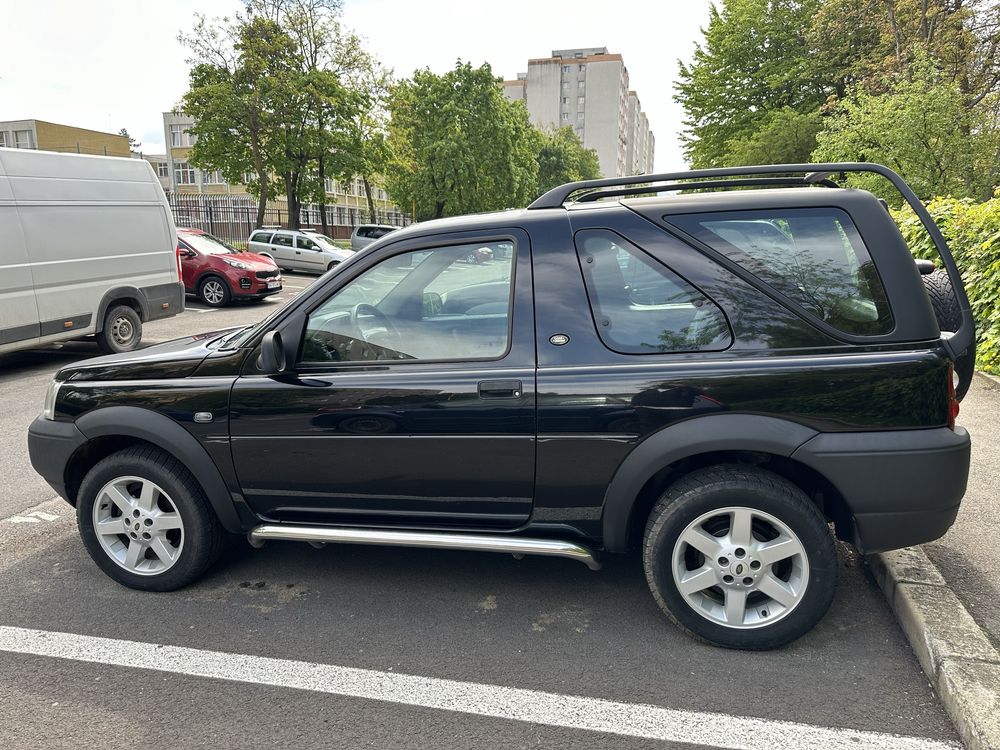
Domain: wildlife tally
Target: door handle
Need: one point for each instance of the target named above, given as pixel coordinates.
(499, 389)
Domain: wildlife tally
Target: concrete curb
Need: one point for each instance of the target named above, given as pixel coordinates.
(957, 657)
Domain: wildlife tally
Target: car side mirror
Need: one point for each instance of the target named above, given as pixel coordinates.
(187, 253)
(272, 354)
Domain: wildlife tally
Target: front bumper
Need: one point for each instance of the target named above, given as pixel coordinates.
(51, 445)
(903, 487)
(250, 287)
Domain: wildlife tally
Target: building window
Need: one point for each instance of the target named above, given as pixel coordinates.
(22, 139)
(565, 85)
(328, 185)
(179, 136)
(565, 100)
(3, 139)
(162, 169)
(183, 173)
(581, 85)
(581, 68)
(579, 116)
(564, 117)
(579, 101)
(565, 68)
(211, 178)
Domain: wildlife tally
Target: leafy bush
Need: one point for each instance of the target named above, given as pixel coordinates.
(973, 233)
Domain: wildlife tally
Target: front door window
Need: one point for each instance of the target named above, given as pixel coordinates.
(446, 303)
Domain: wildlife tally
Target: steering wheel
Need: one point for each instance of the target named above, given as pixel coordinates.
(371, 311)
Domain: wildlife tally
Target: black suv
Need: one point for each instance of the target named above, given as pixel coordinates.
(711, 378)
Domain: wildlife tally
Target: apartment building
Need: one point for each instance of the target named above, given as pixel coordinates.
(587, 89)
(185, 178)
(51, 136)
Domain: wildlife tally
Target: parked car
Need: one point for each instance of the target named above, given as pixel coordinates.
(86, 247)
(365, 234)
(219, 273)
(296, 250)
(711, 379)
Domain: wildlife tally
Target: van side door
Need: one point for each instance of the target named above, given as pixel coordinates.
(18, 309)
(284, 253)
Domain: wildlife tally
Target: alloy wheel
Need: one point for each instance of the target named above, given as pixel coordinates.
(138, 526)
(740, 567)
(213, 291)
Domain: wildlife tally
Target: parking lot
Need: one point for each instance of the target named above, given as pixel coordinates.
(357, 646)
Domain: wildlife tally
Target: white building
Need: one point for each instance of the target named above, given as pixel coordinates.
(587, 89)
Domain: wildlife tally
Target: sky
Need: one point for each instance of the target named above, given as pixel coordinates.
(109, 64)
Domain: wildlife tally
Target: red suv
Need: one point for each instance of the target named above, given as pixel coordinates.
(218, 272)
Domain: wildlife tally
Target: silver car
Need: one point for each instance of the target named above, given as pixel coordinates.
(297, 250)
(365, 234)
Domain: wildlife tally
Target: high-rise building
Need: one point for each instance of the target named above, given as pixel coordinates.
(587, 89)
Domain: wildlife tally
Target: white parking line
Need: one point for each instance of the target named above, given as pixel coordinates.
(36, 516)
(552, 709)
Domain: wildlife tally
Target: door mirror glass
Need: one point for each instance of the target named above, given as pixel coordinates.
(432, 304)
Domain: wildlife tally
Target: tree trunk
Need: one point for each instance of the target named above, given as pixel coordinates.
(261, 199)
(438, 209)
(371, 203)
(322, 197)
(292, 198)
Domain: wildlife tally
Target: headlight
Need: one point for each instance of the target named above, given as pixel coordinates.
(237, 264)
(49, 406)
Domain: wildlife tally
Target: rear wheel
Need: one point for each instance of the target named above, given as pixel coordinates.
(145, 521)
(214, 291)
(739, 557)
(122, 330)
(949, 318)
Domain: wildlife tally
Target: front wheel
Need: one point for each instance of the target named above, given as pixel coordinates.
(740, 557)
(122, 330)
(145, 521)
(214, 292)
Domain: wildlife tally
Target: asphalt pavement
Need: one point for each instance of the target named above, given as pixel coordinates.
(357, 646)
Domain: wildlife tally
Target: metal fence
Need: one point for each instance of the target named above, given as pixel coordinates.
(233, 218)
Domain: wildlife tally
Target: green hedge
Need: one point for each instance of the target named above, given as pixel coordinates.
(973, 233)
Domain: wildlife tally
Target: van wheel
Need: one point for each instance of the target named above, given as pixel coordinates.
(145, 521)
(739, 557)
(214, 292)
(122, 330)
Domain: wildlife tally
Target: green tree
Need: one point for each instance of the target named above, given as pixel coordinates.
(232, 94)
(133, 144)
(922, 129)
(562, 158)
(458, 146)
(754, 61)
(783, 137)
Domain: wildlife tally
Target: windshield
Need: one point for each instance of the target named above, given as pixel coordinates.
(322, 240)
(206, 243)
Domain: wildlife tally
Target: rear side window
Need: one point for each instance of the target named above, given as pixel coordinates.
(813, 256)
(285, 240)
(642, 307)
(261, 237)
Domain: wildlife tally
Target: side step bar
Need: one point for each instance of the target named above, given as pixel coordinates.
(431, 539)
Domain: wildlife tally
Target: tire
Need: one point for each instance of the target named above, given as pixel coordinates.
(949, 318)
(333, 264)
(708, 501)
(122, 330)
(174, 513)
(214, 291)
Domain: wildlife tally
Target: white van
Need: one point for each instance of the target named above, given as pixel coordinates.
(87, 246)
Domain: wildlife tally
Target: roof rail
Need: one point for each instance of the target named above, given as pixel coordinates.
(704, 185)
(813, 173)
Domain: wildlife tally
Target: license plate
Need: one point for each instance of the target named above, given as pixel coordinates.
(274, 284)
